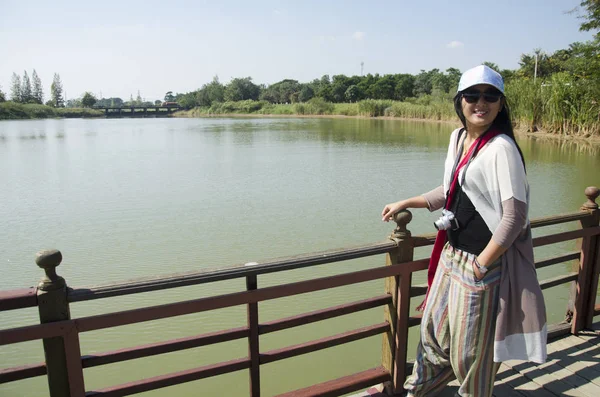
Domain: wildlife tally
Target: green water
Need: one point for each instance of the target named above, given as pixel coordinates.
(132, 198)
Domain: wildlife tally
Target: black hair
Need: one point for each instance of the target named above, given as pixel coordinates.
(502, 121)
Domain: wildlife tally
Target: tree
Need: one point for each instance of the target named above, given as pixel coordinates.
(306, 93)
(168, 96)
(15, 88)
(37, 91)
(138, 100)
(284, 91)
(26, 94)
(88, 100)
(56, 92)
(74, 103)
(592, 19)
(187, 101)
(157, 102)
(405, 84)
(528, 65)
(324, 88)
(339, 86)
(2, 96)
(240, 89)
(353, 93)
(423, 84)
(383, 88)
(453, 77)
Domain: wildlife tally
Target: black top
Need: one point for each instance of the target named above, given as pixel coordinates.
(472, 234)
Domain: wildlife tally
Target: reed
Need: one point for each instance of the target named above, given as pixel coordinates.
(558, 105)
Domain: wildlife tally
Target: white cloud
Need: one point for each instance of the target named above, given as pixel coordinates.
(358, 35)
(455, 44)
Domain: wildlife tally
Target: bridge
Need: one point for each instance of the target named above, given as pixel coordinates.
(139, 111)
(572, 369)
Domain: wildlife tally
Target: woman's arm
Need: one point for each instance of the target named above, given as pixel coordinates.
(433, 200)
(514, 219)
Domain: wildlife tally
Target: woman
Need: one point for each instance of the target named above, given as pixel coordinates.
(484, 304)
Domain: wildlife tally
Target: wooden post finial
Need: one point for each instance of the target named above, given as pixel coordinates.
(592, 193)
(402, 218)
(49, 260)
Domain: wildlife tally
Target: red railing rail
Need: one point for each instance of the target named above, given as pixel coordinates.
(60, 333)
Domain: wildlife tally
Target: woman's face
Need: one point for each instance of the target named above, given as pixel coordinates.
(480, 105)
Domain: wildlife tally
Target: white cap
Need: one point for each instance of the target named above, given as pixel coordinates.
(481, 75)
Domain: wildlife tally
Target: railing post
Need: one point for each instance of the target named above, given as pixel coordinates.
(584, 293)
(253, 338)
(397, 313)
(53, 306)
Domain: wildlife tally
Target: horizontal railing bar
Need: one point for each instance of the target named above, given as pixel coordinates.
(558, 259)
(239, 298)
(323, 314)
(34, 332)
(557, 219)
(212, 275)
(331, 341)
(175, 378)
(18, 299)
(424, 240)
(558, 280)
(341, 386)
(153, 349)
(415, 320)
(22, 372)
(565, 236)
(418, 290)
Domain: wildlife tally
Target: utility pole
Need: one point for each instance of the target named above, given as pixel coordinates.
(362, 65)
(536, 65)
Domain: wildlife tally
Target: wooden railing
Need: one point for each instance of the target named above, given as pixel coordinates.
(64, 363)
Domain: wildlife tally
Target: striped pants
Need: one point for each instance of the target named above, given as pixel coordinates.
(457, 329)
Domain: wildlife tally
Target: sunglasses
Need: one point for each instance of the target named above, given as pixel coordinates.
(473, 96)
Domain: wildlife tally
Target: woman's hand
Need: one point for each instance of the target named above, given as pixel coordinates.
(390, 209)
(478, 275)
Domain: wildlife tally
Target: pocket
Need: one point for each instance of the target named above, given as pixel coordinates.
(492, 274)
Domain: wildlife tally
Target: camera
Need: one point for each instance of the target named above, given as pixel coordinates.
(446, 221)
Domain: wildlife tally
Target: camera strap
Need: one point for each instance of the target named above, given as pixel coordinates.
(457, 168)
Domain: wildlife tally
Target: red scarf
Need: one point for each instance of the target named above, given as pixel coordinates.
(440, 239)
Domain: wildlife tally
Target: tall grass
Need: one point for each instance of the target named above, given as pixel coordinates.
(373, 107)
(559, 105)
(316, 106)
(434, 111)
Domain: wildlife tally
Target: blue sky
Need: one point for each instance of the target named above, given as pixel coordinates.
(116, 48)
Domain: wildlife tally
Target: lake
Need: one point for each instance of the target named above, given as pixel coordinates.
(127, 198)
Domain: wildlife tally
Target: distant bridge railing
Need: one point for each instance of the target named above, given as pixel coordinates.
(60, 333)
(125, 111)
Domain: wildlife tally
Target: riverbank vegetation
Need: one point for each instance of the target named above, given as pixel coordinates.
(18, 111)
(560, 96)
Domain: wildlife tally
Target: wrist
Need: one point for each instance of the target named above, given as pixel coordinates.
(480, 267)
